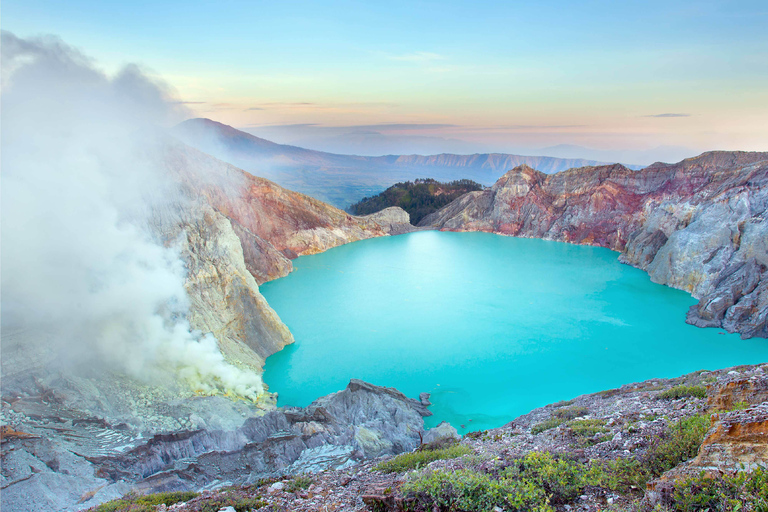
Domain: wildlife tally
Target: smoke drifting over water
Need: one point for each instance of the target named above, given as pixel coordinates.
(81, 176)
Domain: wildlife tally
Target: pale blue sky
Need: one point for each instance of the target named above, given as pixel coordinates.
(504, 75)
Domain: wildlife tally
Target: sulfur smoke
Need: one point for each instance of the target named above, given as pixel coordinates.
(80, 180)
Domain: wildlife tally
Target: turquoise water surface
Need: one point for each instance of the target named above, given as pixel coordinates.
(491, 326)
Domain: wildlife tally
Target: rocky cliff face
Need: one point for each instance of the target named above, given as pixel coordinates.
(698, 225)
(274, 225)
(236, 231)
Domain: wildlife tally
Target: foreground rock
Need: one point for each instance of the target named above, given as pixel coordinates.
(55, 458)
(698, 225)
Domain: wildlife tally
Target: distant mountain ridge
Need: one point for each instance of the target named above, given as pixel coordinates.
(345, 179)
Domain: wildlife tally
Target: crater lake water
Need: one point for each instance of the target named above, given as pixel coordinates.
(491, 326)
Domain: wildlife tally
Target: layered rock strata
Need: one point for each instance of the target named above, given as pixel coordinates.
(699, 225)
(56, 458)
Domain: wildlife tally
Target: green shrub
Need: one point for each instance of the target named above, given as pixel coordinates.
(470, 491)
(239, 498)
(683, 391)
(729, 493)
(560, 479)
(679, 443)
(621, 475)
(240, 504)
(546, 425)
(419, 459)
(298, 483)
(146, 503)
(587, 428)
(121, 505)
(739, 406)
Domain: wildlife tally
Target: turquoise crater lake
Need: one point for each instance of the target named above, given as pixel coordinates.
(491, 326)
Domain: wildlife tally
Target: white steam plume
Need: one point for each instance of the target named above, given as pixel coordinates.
(79, 180)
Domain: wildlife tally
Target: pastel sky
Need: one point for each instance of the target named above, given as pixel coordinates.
(397, 77)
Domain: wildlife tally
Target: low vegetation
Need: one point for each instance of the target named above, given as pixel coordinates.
(145, 503)
(588, 432)
(547, 425)
(419, 459)
(569, 413)
(298, 483)
(419, 198)
(240, 499)
(728, 494)
(541, 481)
(682, 392)
(470, 491)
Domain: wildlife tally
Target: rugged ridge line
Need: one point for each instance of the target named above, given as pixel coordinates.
(345, 179)
(698, 225)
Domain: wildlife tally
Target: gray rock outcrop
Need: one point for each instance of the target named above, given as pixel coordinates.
(56, 458)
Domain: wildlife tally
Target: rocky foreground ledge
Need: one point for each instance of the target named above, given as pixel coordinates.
(56, 458)
(642, 445)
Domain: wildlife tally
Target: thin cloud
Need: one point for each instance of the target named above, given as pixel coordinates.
(669, 115)
(291, 104)
(362, 128)
(253, 108)
(188, 102)
(538, 126)
(400, 126)
(297, 125)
